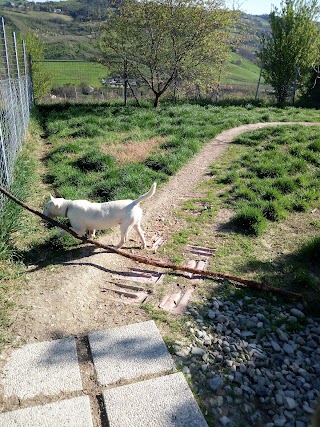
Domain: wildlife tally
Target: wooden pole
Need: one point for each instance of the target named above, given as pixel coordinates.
(157, 263)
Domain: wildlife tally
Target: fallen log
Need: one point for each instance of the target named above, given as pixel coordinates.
(157, 263)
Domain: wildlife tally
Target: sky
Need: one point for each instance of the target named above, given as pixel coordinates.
(258, 7)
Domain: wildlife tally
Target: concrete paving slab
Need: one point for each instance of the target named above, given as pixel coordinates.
(74, 412)
(46, 368)
(128, 352)
(160, 402)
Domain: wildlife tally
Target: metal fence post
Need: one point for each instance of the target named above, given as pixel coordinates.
(3, 161)
(8, 73)
(19, 79)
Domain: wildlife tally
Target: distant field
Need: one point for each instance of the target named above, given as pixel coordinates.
(75, 73)
(35, 14)
(241, 71)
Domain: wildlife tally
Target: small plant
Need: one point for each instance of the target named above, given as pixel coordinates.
(315, 146)
(273, 212)
(228, 178)
(285, 184)
(311, 251)
(250, 221)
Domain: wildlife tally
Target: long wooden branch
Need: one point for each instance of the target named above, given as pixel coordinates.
(157, 263)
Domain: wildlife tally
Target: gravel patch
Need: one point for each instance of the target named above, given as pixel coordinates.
(253, 361)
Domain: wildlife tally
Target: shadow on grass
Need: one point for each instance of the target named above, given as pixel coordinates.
(296, 272)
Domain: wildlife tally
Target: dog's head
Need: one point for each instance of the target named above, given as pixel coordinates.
(54, 207)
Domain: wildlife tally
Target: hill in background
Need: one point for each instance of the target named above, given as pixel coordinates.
(69, 30)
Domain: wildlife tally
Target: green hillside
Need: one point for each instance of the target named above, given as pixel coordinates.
(67, 29)
(241, 71)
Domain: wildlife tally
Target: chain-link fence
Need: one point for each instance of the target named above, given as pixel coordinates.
(15, 103)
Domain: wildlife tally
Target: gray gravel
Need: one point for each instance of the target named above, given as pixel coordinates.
(253, 361)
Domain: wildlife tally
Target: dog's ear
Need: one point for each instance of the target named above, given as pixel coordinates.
(51, 197)
(57, 194)
(58, 202)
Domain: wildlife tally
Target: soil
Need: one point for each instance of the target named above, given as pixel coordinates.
(73, 297)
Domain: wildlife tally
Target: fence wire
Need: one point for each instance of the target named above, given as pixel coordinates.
(15, 104)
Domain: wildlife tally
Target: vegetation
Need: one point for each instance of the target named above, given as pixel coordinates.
(17, 226)
(292, 48)
(278, 175)
(41, 77)
(163, 42)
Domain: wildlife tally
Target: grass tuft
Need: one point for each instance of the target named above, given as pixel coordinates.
(250, 221)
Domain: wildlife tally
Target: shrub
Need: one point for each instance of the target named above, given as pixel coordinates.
(250, 221)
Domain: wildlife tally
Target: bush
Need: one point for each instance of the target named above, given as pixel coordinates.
(250, 221)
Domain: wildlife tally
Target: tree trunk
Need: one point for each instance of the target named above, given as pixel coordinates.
(156, 100)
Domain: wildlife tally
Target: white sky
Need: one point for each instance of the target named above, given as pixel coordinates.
(254, 7)
(258, 7)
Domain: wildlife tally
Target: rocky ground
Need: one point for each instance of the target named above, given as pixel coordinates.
(253, 362)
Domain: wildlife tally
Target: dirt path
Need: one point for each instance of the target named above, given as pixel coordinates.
(68, 299)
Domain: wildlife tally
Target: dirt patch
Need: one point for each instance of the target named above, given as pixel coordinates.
(133, 151)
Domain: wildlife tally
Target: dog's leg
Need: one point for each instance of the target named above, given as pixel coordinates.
(124, 230)
(79, 231)
(92, 234)
(61, 233)
(140, 233)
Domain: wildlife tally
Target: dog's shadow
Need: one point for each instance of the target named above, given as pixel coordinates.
(56, 251)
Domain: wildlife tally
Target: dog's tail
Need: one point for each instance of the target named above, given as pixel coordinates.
(147, 195)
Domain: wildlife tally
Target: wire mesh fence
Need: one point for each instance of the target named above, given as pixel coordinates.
(15, 102)
(86, 81)
(76, 81)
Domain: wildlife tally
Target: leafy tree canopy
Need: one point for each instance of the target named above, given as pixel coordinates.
(293, 45)
(160, 41)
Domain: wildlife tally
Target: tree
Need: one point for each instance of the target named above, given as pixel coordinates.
(291, 49)
(35, 47)
(158, 41)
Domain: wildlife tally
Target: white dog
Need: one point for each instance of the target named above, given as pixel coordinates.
(84, 215)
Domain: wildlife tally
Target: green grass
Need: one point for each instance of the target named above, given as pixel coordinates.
(16, 228)
(75, 73)
(241, 71)
(76, 132)
(277, 175)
